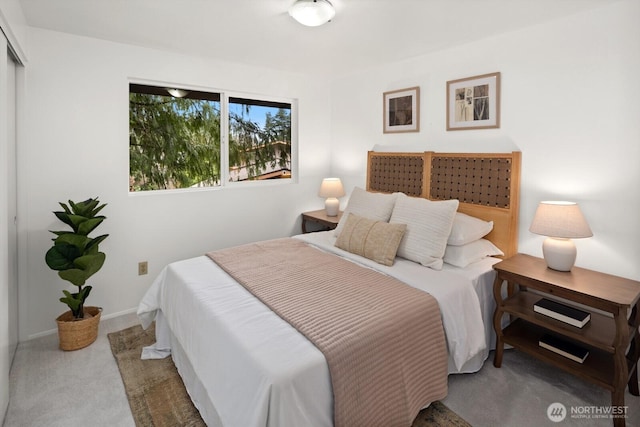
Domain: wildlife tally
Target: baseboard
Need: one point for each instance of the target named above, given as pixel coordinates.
(103, 317)
(119, 313)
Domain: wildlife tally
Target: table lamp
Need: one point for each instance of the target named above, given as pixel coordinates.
(331, 189)
(560, 222)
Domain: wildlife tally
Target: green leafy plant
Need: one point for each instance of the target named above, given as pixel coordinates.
(75, 255)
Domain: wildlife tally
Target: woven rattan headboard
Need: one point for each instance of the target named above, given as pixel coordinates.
(486, 184)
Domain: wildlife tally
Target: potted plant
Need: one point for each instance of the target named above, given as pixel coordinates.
(76, 257)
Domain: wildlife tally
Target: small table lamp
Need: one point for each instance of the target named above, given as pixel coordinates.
(331, 189)
(561, 222)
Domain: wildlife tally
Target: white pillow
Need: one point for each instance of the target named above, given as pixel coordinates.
(428, 228)
(377, 206)
(462, 256)
(467, 229)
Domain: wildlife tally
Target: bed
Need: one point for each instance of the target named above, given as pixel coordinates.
(243, 365)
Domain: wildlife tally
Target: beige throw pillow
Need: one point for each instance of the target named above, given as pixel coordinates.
(371, 239)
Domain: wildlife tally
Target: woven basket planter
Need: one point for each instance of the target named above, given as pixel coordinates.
(75, 334)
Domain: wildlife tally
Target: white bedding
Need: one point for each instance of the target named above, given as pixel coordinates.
(265, 364)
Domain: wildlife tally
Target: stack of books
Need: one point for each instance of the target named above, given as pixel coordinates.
(562, 312)
(566, 314)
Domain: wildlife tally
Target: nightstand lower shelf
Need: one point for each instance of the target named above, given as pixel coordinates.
(597, 367)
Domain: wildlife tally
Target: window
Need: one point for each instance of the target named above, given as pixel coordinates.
(176, 139)
(259, 139)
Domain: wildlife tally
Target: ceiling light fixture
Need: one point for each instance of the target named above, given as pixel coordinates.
(312, 13)
(177, 93)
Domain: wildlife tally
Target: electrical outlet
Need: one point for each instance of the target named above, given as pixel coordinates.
(142, 268)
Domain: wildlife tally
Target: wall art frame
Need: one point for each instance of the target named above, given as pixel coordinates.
(474, 102)
(401, 112)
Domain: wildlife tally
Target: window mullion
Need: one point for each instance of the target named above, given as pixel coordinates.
(224, 139)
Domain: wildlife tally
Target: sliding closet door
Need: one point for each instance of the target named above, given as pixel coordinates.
(8, 235)
(12, 203)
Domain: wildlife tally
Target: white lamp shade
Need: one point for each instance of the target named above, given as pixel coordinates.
(560, 219)
(561, 222)
(331, 187)
(312, 13)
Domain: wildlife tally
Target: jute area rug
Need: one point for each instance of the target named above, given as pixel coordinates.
(158, 398)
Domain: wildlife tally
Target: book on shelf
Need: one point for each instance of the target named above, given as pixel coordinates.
(562, 312)
(563, 347)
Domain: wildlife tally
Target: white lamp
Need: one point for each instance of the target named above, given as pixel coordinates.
(561, 222)
(331, 189)
(312, 13)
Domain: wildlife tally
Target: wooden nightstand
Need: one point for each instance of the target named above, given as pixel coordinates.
(605, 337)
(320, 217)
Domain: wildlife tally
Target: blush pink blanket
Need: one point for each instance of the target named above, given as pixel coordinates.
(383, 340)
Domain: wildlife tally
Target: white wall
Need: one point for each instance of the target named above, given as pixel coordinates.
(569, 103)
(75, 145)
(569, 94)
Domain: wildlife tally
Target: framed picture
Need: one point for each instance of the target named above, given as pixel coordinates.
(402, 110)
(474, 102)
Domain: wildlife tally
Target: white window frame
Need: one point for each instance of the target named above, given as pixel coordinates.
(225, 95)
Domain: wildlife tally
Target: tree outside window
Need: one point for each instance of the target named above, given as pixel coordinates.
(175, 140)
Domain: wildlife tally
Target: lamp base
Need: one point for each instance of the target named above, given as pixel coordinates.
(332, 206)
(560, 254)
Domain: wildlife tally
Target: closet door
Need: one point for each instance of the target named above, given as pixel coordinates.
(12, 203)
(8, 210)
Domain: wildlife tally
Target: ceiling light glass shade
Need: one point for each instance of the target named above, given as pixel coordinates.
(312, 13)
(177, 93)
(561, 222)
